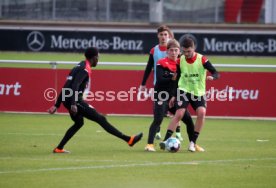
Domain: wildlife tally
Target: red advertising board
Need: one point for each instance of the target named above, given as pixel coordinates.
(115, 92)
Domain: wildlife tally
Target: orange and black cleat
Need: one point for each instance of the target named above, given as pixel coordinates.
(134, 139)
(56, 150)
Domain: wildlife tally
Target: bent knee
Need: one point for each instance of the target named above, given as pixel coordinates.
(157, 121)
(79, 123)
(179, 114)
(201, 111)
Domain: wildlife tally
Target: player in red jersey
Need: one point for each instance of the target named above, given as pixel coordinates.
(159, 51)
(163, 90)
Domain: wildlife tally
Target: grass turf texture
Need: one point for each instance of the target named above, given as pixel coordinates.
(127, 58)
(234, 157)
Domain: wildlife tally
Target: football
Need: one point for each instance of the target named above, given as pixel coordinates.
(172, 145)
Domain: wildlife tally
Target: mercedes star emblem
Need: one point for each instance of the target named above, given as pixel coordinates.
(35, 41)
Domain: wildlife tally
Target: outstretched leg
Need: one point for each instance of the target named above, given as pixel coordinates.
(90, 113)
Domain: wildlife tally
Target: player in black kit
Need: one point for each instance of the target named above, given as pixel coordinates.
(163, 90)
(76, 83)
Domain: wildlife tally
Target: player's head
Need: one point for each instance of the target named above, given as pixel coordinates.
(188, 47)
(92, 55)
(173, 49)
(164, 34)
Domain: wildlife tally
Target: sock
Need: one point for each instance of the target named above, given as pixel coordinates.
(178, 129)
(169, 133)
(187, 119)
(196, 136)
(111, 129)
(70, 133)
(158, 129)
(190, 132)
(153, 130)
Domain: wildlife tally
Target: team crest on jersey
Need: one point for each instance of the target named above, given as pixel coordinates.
(90, 106)
(179, 103)
(160, 102)
(69, 77)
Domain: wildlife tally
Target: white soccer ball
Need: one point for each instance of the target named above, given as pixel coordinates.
(172, 145)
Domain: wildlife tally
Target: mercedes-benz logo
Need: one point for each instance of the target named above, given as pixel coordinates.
(35, 41)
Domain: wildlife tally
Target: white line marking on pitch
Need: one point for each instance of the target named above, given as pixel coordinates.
(66, 160)
(40, 134)
(129, 165)
(32, 134)
(51, 159)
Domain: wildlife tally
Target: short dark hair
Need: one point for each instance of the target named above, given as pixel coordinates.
(188, 42)
(91, 52)
(165, 28)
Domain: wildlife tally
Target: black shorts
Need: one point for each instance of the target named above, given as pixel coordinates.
(161, 106)
(183, 99)
(84, 110)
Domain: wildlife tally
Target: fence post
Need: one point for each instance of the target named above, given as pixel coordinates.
(156, 11)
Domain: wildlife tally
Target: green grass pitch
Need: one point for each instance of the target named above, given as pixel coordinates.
(239, 153)
(127, 58)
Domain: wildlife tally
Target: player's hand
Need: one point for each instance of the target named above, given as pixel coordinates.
(52, 110)
(210, 78)
(142, 88)
(74, 109)
(174, 76)
(171, 102)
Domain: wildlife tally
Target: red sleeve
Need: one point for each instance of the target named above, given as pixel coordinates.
(161, 62)
(204, 60)
(152, 51)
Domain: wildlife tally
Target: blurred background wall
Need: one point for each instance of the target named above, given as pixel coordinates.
(141, 11)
